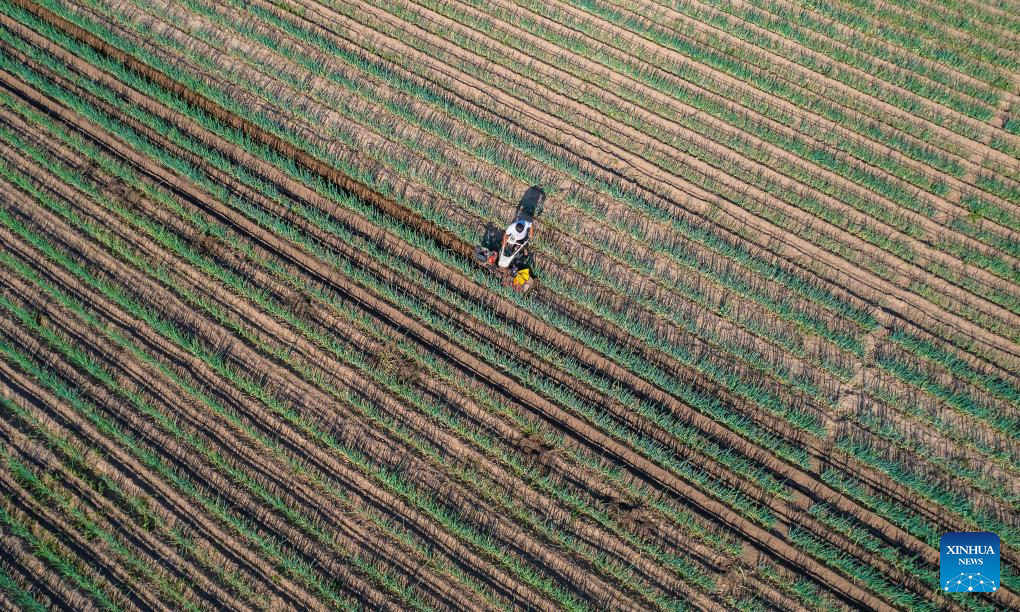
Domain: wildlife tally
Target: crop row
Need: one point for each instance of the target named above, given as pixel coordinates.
(460, 304)
(214, 507)
(970, 58)
(791, 85)
(753, 59)
(919, 77)
(816, 207)
(92, 152)
(507, 330)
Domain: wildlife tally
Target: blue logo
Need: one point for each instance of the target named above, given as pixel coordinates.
(969, 562)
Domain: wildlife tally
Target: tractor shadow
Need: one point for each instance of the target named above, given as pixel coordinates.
(530, 207)
(492, 237)
(531, 204)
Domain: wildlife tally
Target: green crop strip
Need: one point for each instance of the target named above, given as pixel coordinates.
(161, 274)
(933, 28)
(960, 400)
(863, 574)
(136, 507)
(738, 63)
(291, 565)
(869, 128)
(772, 487)
(94, 368)
(673, 89)
(592, 274)
(184, 50)
(941, 89)
(875, 126)
(912, 523)
(191, 345)
(928, 38)
(192, 173)
(490, 154)
(971, 439)
(86, 362)
(801, 589)
(48, 496)
(495, 403)
(919, 484)
(423, 446)
(981, 208)
(927, 349)
(687, 94)
(879, 29)
(798, 418)
(20, 596)
(995, 265)
(46, 549)
(851, 528)
(958, 469)
(991, 294)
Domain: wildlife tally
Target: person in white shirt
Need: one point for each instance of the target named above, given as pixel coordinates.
(518, 231)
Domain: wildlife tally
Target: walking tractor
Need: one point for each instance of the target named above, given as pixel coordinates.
(506, 254)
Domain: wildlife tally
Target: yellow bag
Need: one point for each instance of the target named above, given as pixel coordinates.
(522, 277)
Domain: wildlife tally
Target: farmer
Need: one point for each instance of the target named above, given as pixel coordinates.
(519, 231)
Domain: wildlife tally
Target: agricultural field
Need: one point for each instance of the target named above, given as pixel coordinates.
(771, 354)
